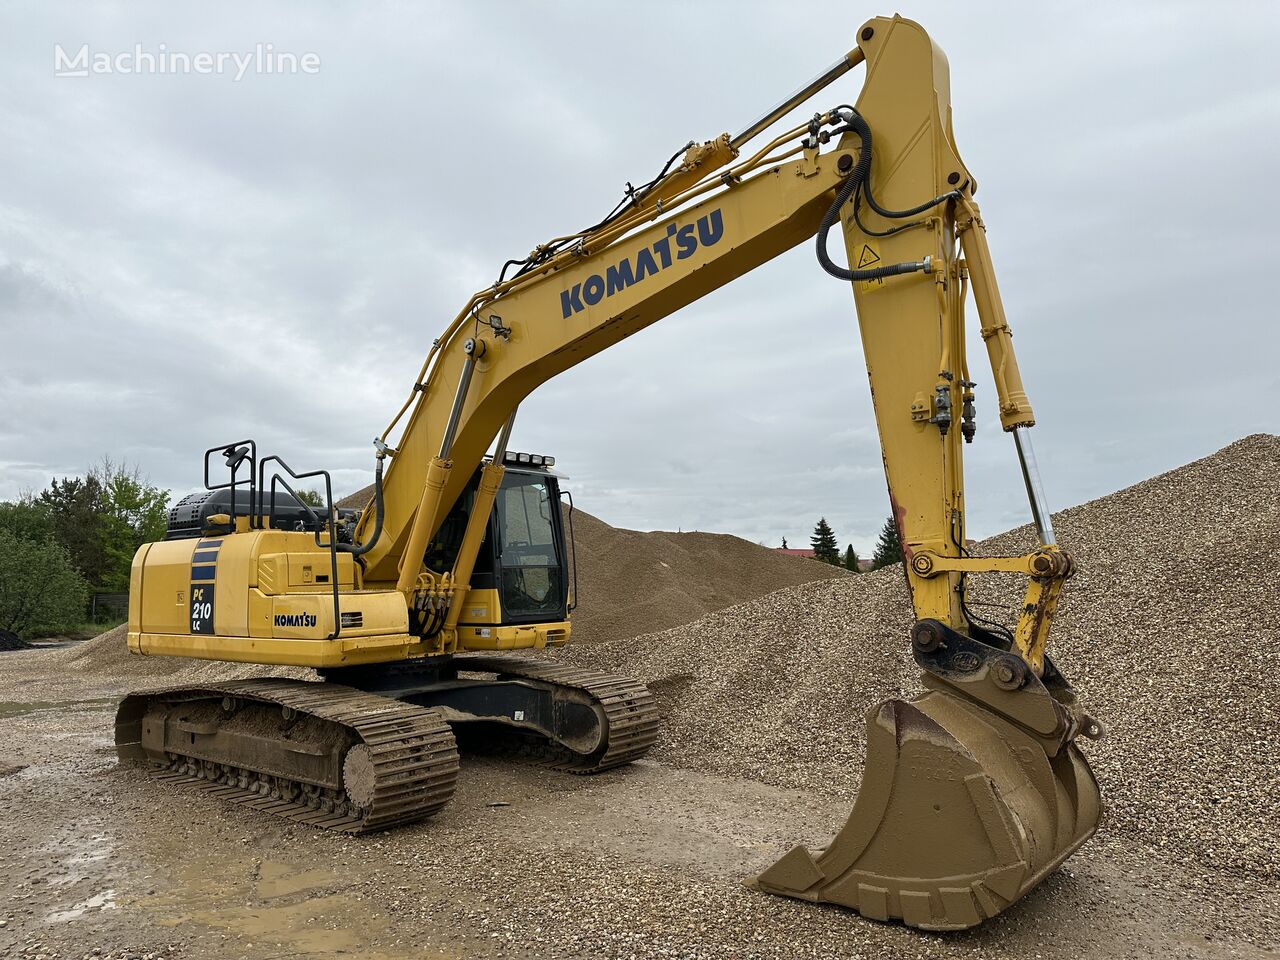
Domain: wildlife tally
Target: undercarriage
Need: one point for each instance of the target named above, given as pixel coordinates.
(369, 748)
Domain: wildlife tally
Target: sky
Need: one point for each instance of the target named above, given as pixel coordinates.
(187, 260)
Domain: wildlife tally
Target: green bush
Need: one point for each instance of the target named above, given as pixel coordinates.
(40, 591)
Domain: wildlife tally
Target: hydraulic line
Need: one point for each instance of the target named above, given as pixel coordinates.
(378, 513)
(829, 220)
(857, 202)
(859, 125)
(631, 196)
(859, 180)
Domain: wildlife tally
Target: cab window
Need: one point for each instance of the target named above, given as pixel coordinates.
(532, 581)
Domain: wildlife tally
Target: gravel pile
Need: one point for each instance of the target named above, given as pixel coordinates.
(11, 641)
(631, 582)
(357, 500)
(108, 655)
(1168, 632)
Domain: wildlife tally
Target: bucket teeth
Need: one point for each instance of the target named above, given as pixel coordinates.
(959, 815)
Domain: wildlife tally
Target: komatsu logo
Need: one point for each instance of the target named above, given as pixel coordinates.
(295, 620)
(648, 261)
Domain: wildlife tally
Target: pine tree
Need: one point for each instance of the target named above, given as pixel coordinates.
(824, 543)
(851, 559)
(888, 547)
(784, 543)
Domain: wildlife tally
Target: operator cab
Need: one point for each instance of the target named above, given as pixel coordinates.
(523, 570)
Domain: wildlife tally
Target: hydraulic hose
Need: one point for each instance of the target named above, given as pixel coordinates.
(829, 220)
(359, 549)
(859, 126)
(860, 177)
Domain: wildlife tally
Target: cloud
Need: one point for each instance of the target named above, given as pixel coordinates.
(189, 260)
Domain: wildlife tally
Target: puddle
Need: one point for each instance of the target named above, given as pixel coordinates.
(321, 926)
(79, 865)
(277, 879)
(106, 900)
(280, 905)
(18, 709)
(14, 709)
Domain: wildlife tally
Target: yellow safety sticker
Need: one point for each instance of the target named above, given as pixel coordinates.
(868, 256)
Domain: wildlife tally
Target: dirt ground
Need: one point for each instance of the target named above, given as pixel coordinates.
(647, 861)
(1167, 631)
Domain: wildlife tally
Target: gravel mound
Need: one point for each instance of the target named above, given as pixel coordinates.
(108, 655)
(357, 500)
(1168, 633)
(632, 582)
(11, 641)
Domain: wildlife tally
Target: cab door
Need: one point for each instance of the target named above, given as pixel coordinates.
(529, 549)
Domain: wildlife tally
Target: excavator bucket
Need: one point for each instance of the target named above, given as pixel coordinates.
(961, 812)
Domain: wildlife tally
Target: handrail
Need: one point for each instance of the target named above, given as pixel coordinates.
(329, 522)
(573, 551)
(235, 454)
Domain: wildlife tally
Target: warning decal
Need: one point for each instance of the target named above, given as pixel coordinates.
(869, 257)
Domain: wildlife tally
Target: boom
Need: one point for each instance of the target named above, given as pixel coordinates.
(728, 219)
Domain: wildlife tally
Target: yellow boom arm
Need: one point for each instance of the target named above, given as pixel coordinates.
(706, 223)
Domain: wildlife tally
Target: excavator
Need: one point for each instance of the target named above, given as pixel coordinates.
(430, 611)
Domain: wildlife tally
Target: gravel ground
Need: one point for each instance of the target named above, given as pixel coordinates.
(1166, 632)
(762, 749)
(636, 863)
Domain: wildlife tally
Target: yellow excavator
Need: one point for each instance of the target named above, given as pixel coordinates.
(411, 608)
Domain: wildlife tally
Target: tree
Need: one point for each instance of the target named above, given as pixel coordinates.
(888, 547)
(824, 543)
(74, 506)
(40, 591)
(851, 559)
(127, 496)
(132, 512)
(312, 498)
(100, 520)
(784, 543)
(27, 518)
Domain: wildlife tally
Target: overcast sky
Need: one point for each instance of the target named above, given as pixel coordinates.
(187, 260)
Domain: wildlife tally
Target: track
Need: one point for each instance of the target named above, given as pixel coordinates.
(631, 717)
(339, 758)
(380, 763)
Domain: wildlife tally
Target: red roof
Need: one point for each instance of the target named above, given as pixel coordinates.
(795, 552)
